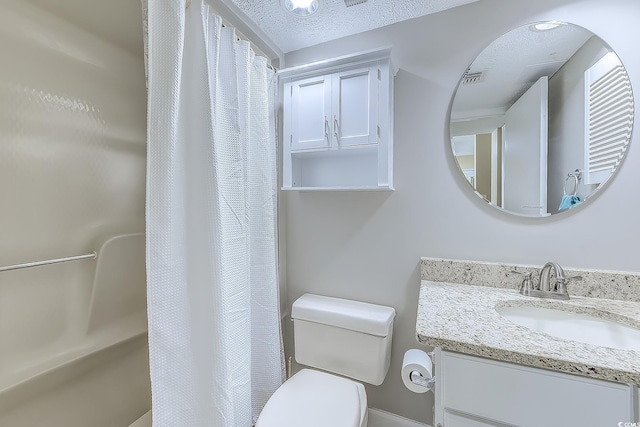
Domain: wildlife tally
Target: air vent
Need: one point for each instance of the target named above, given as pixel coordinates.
(350, 3)
(471, 78)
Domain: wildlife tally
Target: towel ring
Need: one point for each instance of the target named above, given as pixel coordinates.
(577, 175)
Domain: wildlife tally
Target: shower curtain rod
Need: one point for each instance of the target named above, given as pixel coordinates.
(92, 255)
(243, 38)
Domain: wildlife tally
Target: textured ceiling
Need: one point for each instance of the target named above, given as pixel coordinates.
(333, 19)
(512, 64)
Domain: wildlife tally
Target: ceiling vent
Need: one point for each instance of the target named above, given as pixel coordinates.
(350, 3)
(471, 78)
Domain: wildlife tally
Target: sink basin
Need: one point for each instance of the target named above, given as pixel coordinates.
(574, 326)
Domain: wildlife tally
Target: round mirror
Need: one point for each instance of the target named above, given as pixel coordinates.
(542, 119)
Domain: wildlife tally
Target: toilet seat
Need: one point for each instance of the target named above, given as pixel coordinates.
(316, 399)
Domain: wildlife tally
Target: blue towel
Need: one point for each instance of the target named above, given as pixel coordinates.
(569, 201)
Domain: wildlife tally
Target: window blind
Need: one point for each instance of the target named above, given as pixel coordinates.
(609, 117)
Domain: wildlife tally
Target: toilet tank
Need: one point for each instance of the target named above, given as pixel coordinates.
(346, 337)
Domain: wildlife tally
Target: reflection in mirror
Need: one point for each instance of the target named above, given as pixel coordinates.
(542, 118)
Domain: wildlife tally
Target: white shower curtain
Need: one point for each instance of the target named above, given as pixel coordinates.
(214, 326)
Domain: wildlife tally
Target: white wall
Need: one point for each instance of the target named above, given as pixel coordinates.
(367, 246)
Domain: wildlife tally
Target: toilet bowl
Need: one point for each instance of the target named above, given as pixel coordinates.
(318, 398)
(336, 336)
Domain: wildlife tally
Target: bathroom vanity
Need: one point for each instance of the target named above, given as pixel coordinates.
(492, 370)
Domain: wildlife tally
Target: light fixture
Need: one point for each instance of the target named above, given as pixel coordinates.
(301, 7)
(546, 25)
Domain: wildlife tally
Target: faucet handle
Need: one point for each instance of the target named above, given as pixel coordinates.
(527, 282)
(561, 285)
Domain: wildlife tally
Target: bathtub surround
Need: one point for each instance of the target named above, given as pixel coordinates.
(73, 349)
(212, 290)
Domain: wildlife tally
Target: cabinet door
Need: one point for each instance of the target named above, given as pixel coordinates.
(528, 397)
(355, 106)
(310, 113)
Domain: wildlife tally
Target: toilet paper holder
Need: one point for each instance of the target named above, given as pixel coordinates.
(417, 378)
(419, 371)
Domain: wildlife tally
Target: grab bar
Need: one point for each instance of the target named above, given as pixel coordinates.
(92, 255)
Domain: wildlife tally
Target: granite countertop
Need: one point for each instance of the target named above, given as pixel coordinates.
(462, 318)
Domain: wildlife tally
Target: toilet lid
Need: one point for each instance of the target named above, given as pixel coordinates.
(315, 399)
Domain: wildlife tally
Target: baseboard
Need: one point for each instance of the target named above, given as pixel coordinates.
(378, 418)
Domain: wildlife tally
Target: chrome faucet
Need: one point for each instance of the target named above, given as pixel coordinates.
(545, 277)
(544, 289)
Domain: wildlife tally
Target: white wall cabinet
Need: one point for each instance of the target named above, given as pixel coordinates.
(476, 392)
(338, 124)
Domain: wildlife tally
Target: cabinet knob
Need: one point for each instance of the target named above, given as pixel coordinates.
(336, 128)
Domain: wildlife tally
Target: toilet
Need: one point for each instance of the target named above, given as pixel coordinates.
(347, 342)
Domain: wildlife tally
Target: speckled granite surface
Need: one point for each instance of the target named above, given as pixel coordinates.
(462, 318)
(595, 284)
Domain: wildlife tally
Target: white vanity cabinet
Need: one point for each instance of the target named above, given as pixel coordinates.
(338, 124)
(477, 392)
